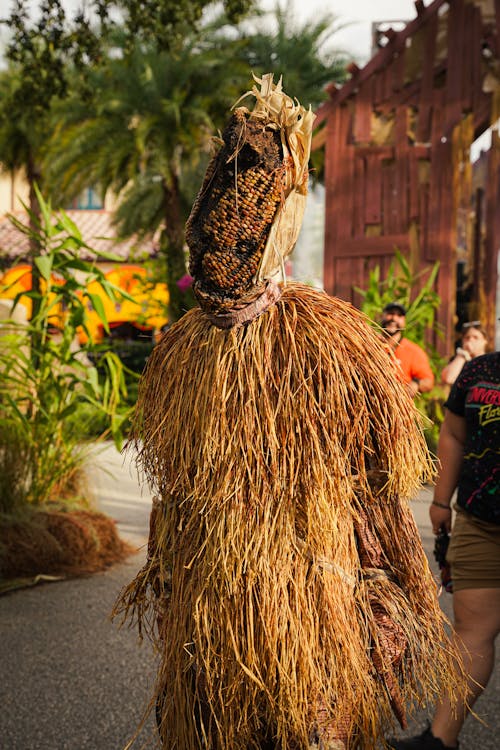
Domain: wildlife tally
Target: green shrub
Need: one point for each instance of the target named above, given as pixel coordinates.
(421, 302)
(45, 377)
(401, 285)
(14, 457)
(433, 407)
(133, 355)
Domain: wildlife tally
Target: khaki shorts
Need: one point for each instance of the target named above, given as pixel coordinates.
(474, 553)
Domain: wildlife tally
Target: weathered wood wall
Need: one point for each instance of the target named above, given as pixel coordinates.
(397, 139)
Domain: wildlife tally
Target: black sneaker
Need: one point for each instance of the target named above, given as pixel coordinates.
(424, 741)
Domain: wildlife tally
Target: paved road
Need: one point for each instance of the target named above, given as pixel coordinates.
(72, 680)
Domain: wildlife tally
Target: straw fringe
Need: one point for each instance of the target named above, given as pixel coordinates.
(283, 558)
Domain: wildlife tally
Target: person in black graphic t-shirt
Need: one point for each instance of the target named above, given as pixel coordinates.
(476, 398)
(469, 453)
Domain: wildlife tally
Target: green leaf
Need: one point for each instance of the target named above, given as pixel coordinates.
(68, 411)
(44, 265)
(67, 224)
(79, 265)
(45, 210)
(93, 380)
(77, 317)
(99, 308)
(113, 291)
(71, 244)
(102, 254)
(24, 228)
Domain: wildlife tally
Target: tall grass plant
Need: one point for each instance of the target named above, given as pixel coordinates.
(45, 375)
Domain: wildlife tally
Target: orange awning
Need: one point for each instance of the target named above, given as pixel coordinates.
(148, 308)
(18, 280)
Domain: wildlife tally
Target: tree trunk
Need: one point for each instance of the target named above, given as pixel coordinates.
(33, 177)
(172, 248)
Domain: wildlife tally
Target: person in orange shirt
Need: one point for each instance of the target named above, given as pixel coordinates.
(413, 361)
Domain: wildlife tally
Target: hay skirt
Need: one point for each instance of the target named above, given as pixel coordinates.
(286, 586)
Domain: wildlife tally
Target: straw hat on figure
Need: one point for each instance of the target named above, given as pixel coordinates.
(286, 586)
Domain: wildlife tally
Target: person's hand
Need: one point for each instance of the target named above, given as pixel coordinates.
(464, 352)
(440, 516)
(412, 388)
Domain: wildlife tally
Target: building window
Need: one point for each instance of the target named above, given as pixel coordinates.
(88, 199)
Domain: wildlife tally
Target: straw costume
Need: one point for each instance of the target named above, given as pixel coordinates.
(285, 585)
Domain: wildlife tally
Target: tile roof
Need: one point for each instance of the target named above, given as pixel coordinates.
(96, 229)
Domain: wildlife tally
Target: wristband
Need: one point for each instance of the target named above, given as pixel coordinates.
(440, 505)
(462, 353)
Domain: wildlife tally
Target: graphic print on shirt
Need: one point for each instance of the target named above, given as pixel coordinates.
(482, 407)
(485, 397)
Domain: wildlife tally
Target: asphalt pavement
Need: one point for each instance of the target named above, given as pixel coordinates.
(70, 679)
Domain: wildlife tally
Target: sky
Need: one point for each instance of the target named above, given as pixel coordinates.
(359, 14)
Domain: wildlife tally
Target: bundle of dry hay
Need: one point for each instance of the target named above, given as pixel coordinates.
(57, 542)
(286, 586)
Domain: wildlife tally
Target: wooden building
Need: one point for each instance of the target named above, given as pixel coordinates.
(398, 174)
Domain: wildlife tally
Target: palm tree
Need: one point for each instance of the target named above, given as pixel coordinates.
(148, 127)
(149, 124)
(20, 151)
(38, 53)
(20, 142)
(302, 53)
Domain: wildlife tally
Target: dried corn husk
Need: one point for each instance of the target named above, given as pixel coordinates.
(295, 127)
(248, 213)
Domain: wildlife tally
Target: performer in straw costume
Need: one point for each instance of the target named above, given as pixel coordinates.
(286, 586)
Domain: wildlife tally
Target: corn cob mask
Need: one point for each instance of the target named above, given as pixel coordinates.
(247, 216)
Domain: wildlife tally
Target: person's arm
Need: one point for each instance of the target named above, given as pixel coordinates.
(425, 384)
(422, 376)
(413, 387)
(453, 369)
(421, 384)
(450, 455)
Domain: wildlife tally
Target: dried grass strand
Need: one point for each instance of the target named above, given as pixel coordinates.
(269, 446)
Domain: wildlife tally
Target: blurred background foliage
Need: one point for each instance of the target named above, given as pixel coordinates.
(128, 96)
(415, 291)
(124, 97)
(48, 379)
